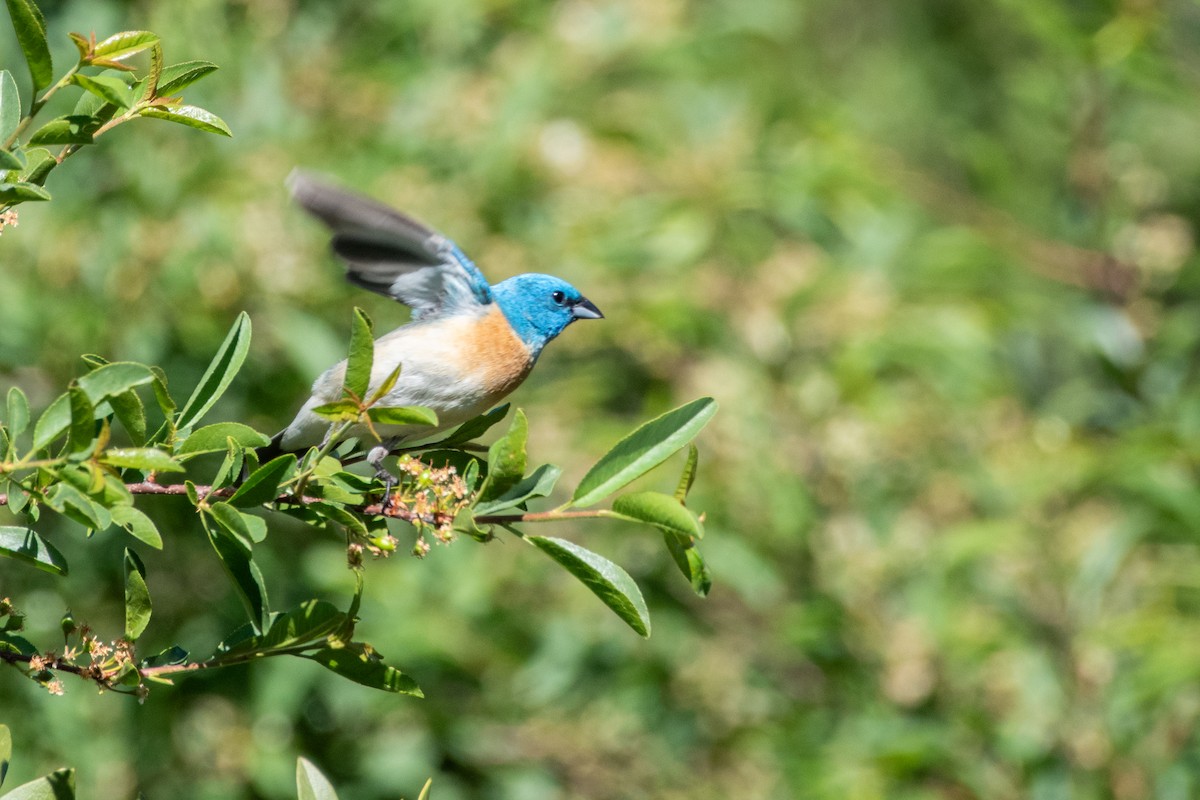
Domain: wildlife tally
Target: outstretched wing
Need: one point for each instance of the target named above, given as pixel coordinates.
(392, 254)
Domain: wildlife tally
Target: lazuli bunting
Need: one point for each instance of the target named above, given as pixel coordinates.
(468, 345)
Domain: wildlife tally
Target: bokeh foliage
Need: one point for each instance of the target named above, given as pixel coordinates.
(936, 260)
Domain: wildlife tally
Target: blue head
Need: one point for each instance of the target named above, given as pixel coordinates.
(539, 307)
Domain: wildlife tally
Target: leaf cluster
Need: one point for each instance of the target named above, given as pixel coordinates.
(113, 92)
(118, 432)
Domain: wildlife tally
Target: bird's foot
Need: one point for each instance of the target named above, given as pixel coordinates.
(375, 459)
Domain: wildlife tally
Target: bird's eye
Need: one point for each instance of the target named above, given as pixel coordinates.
(558, 297)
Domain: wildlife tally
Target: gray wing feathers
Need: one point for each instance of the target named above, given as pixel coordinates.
(385, 251)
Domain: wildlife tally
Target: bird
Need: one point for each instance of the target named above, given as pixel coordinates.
(468, 344)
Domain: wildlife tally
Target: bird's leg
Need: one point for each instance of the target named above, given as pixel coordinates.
(375, 458)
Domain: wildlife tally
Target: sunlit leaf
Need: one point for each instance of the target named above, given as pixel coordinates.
(506, 460)
(311, 784)
(144, 458)
(361, 358)
(191, 116)
(30, 28)
(179, 76)
(234, 553)
(137, 524)
(24, 544)
(107, 88)
(137, 596)
(214, 438)
(22, 191)
(82, 431)
(308, 622)
(688, 476)
(403, 415)
(71, 129)
(10, 106)
(660, 510)
(538, 483)
(607, 581)
(356, 662)
(122, 45)
(18, 412)
(129, 410)
(690, 562)
(74, 504)
(58, 785)
(220, 373)
(474, 428)
(262, 485)
(644, 449)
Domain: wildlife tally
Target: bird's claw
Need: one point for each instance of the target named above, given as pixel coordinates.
(375, 459)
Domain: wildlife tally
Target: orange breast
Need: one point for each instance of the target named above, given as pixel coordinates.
(496, 354)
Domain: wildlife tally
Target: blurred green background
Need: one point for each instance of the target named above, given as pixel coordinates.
(936, 259)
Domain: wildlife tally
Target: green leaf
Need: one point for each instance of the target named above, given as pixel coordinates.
(162, 394)
(5, 751)
(311, 784)
(262, 486)
(11, 161)
(403, 415)
(362, 356)
(220, 373)
(178, 76)
(107, 88)
(30, 27)
(18, 412)
(137, 524)
(338, 410)
(83, 421)
(464, 523)
(474, 428)
(24, 544)
(538, 483)
(191, 116)
(506, 460)
(122, 45)
(689, 473)
(311, 621)
(214, 438)
(129, 410)
(148, 86)
(424, 795)
(362, 665)
(144, 458)
(172, 655)
(58, 785)
(20, 192)
(247, 579)
(113, 379)
(607, 581)
(53, 421)
(643, 450)
(137, 596)
(74, 504)
(238, 523)
(10, 105)
(680, 529)
(690, 562)
(660, 510)
(388, 384)
(38, 166)
(71, 129)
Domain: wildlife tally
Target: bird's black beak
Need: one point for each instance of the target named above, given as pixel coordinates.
(585, 309)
